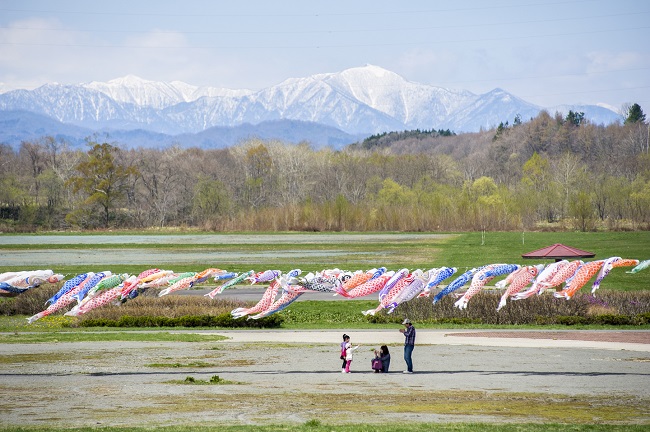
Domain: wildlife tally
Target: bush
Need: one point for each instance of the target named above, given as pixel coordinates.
(148, 310)
(30, 302)
(223, 320)
(643, 318)
(612, 319)
(629, 308)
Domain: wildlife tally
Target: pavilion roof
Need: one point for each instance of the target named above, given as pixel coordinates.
(559, 250)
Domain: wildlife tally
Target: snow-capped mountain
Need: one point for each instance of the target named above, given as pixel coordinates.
(480, 113)
(362, 100)
(134, 90)
(412, 104)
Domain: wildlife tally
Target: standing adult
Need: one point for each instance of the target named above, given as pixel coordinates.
(409, 343)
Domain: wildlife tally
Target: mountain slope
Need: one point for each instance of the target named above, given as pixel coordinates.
(490, 109)
(18, 126)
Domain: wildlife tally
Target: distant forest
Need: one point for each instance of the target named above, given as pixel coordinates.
(552, 172)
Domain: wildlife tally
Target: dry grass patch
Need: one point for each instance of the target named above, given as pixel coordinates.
(378, 407)
(192, 364)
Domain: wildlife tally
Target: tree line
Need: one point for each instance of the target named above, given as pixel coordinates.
(551, 172)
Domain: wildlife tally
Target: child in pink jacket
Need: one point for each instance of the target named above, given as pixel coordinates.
(348, 355)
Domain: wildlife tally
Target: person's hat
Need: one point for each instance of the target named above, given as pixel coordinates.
(406, 321)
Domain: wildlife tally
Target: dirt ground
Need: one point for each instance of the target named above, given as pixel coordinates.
(295, 376)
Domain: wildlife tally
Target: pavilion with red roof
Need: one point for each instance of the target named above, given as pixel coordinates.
(558, 252)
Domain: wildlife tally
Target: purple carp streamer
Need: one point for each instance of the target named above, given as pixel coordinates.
(392, 287)
(411, 290)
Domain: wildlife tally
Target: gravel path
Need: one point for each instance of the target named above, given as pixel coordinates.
(627, 337)
(292, 376)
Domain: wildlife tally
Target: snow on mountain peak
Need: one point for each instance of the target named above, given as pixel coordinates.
(372, 70)
(609, 107)
(157, 94)
(129, 80)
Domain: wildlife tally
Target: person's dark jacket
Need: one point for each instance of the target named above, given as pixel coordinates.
(385, 362)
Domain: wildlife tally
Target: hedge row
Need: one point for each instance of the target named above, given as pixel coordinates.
(223, 320)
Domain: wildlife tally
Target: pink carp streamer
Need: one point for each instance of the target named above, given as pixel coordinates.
(267, 304)
(562, 275)
(104, 298)
(579, 279)
(542, 278)
(392, 293)
(369, 287)
(523, 277)
(288, 297)
(264, 304)
(68, 298)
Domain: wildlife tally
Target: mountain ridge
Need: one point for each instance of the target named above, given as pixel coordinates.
(357, 101)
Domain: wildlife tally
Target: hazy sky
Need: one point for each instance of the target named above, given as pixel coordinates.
(546, 52)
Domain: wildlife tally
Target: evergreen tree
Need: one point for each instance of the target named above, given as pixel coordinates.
(575, 118)
(635, 115)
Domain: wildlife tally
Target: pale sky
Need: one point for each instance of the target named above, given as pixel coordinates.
(546, 52)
